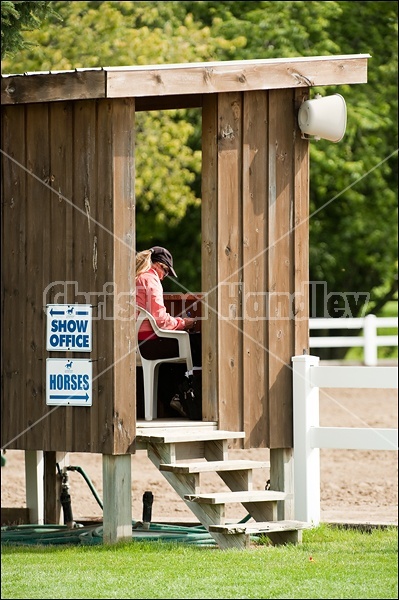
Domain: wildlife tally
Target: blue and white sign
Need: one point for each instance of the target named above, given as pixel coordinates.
(69, 327)
(69, 382)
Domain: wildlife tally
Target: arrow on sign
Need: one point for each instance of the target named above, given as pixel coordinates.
(69, 397)
(56, 312)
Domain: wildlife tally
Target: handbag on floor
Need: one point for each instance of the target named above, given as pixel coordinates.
(188, 400)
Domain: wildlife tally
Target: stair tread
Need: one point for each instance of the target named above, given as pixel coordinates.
(166, 436)
(214, 466)
(241, 496)
(259, 527)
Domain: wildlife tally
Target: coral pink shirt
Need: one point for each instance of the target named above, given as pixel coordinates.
(149, 295)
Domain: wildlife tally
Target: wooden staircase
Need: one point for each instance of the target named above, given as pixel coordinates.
(168, 446)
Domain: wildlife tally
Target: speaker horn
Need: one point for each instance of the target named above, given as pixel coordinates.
(324, 117)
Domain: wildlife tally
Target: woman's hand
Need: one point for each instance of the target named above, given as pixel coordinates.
(189, 323)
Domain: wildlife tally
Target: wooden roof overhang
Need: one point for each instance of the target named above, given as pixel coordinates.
(183, 85)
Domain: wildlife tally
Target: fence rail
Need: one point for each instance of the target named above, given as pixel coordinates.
(370, 340)
(309, 437)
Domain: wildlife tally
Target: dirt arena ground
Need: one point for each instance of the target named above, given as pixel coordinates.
(356, 486)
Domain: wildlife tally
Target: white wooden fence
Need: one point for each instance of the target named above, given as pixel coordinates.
(309, 437)
(370, 340)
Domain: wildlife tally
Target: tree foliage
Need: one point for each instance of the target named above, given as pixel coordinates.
(18, 17)
(353, 190)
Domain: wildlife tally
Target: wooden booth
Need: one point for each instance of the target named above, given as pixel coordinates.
(68, 243)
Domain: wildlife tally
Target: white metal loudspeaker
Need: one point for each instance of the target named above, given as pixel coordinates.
(323, 117)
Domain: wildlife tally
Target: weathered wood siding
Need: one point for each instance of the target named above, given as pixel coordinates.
(255, 253)
(68, 238)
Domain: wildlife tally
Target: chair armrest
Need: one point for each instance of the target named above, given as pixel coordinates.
(172, 333)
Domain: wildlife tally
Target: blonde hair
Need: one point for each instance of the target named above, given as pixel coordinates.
(143, 262)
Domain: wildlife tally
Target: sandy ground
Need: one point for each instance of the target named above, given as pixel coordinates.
(356, 486)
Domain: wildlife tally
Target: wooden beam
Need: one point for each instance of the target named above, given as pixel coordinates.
(236, 76)
(194, 78)
(50, 87)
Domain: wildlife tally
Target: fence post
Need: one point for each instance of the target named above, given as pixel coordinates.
(306, 458)
(370, 341)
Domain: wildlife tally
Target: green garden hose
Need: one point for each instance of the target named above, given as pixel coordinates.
(89, 483)
(22, 535)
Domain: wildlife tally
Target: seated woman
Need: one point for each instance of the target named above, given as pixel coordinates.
(152, 266)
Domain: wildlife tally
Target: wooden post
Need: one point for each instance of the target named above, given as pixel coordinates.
(52, 486)
(117, 498)
(282, 480)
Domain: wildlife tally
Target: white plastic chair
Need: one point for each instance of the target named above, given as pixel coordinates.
(150, 367)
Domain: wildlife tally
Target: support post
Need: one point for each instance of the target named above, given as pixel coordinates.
(306, 458)
(281, 479)
(34, 485)
(117, 498)
(52, 486)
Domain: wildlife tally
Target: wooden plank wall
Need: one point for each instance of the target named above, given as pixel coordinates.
(209, 259)
(13, 270)
(281, 266)
(230, 277)
(255, 180)
(68, 237)
(255, 189)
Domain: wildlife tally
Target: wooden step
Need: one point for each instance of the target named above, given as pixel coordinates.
(259, 527)
(261, 504)
(214, 466)
(240, 497)
(279, 532)
(155, 436)
(177, 423)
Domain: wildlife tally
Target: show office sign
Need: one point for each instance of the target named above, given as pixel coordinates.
(69, 380)
(69, 327)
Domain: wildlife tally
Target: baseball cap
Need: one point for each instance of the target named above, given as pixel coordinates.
(162, 255)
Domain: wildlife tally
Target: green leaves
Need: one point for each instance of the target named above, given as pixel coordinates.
(353, 184)
(17, 17)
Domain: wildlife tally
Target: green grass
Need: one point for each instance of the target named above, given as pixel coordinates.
(330, 563)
